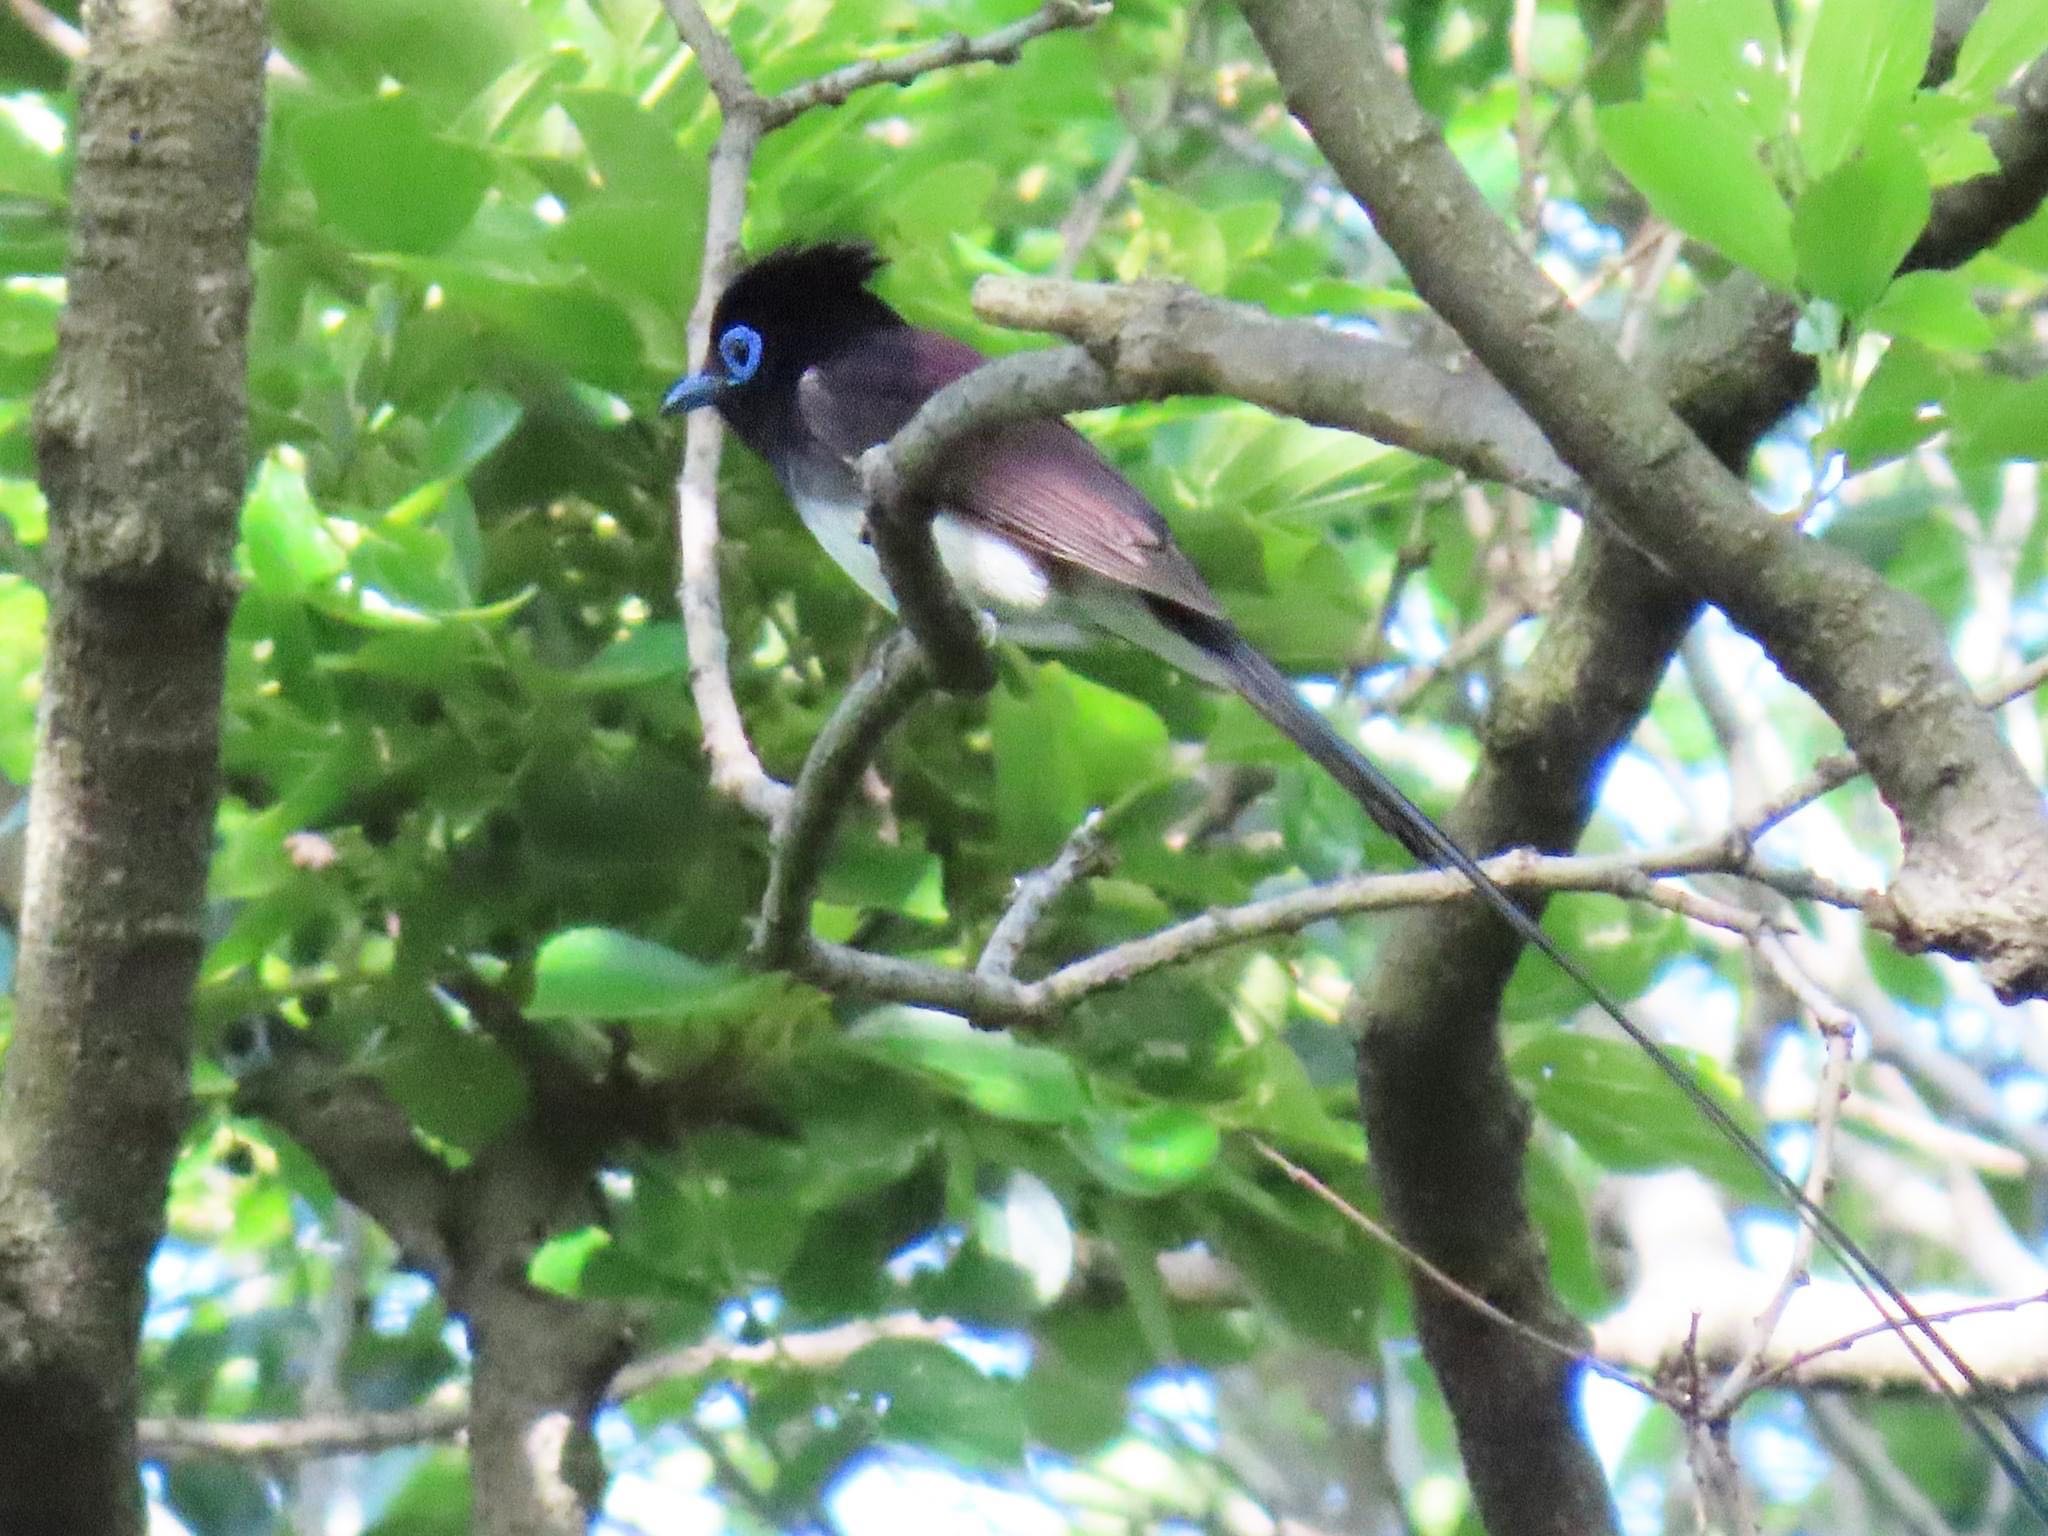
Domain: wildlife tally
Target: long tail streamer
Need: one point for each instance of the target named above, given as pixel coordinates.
(1270, 692)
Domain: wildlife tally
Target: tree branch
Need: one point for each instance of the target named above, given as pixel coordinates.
(354, 1130)
(735, 770)
(1081, 855)
(1149, 340)
(1828, 1333)
(541, 1361)
(999, 46)
(869, 710)
(142, 452)
(1870, 655)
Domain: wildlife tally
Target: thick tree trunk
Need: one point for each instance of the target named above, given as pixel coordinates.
(142, 445)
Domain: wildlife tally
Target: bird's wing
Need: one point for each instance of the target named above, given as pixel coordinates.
(1037, 483)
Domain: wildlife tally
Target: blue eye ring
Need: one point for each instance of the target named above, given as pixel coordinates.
(740, 350)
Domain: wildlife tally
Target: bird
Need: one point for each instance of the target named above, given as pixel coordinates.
(810, 369)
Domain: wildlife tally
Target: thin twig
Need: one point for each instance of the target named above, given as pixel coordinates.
(879, 698)
(1837, 1029)
(1411, 558)
(1468, 646)
(1832, 772)
(1791, 1367)
(1453, 1288)
(998, 999)
(1000, 47)
(1862, 1448)
(1081, 855)
(1528, 163)
(1085, 215)
(1617, 33)
(748, 117)
(736, 771)
(1627, 876)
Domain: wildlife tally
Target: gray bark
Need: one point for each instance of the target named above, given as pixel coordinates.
(140, 436)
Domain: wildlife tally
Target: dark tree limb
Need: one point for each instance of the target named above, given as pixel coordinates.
(141, 442)
(542, 1363)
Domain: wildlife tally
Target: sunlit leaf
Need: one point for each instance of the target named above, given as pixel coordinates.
(1704, 175)
(1863, 56)
(997, 1074)
(2006, 36)
(384, 179)
(1853, 226)
(1628, 1115)
(600, 973)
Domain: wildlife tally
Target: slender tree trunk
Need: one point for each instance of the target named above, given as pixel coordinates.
(141, 439)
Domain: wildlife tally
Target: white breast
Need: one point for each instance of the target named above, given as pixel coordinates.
(989, 570)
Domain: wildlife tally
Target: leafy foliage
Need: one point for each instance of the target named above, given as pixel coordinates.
(460, 748)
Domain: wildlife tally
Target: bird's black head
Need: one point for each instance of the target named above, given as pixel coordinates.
(792, 308)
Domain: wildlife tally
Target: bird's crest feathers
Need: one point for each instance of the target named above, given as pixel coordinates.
(803, 281)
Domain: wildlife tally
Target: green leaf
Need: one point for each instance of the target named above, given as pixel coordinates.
(1560, 1213)
(1730, 55)
(653, 653)
(435, 1500)
(1149, 1152)
(586, 334)
(458, 1087)
(1864, 56)
(600, 973)
(22, 504)
(1853, 226)
(878, 876)
(1896, 410)
(997, 1074)
(838, 1267)
(643, 247)
(1935, 308)
(1326, 1289)
(558, 1264)
(1071, 1406)
(946, 198)
(285, 539)
(925, 1394)
(477, 422)
(386, 182)
(1064, 748)
(2007, 36)
(1178, 236)
(1996, 418)
(1628, 1115)
(28, 322)
(1946, 133)
(2027, 243)
(634, 151)
(1704, 175)
(1248, 228)
(27, 169)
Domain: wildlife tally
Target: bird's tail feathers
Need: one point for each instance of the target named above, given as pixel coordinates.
(1273, 695)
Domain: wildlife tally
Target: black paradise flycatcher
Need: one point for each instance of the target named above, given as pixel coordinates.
(1034, 526)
